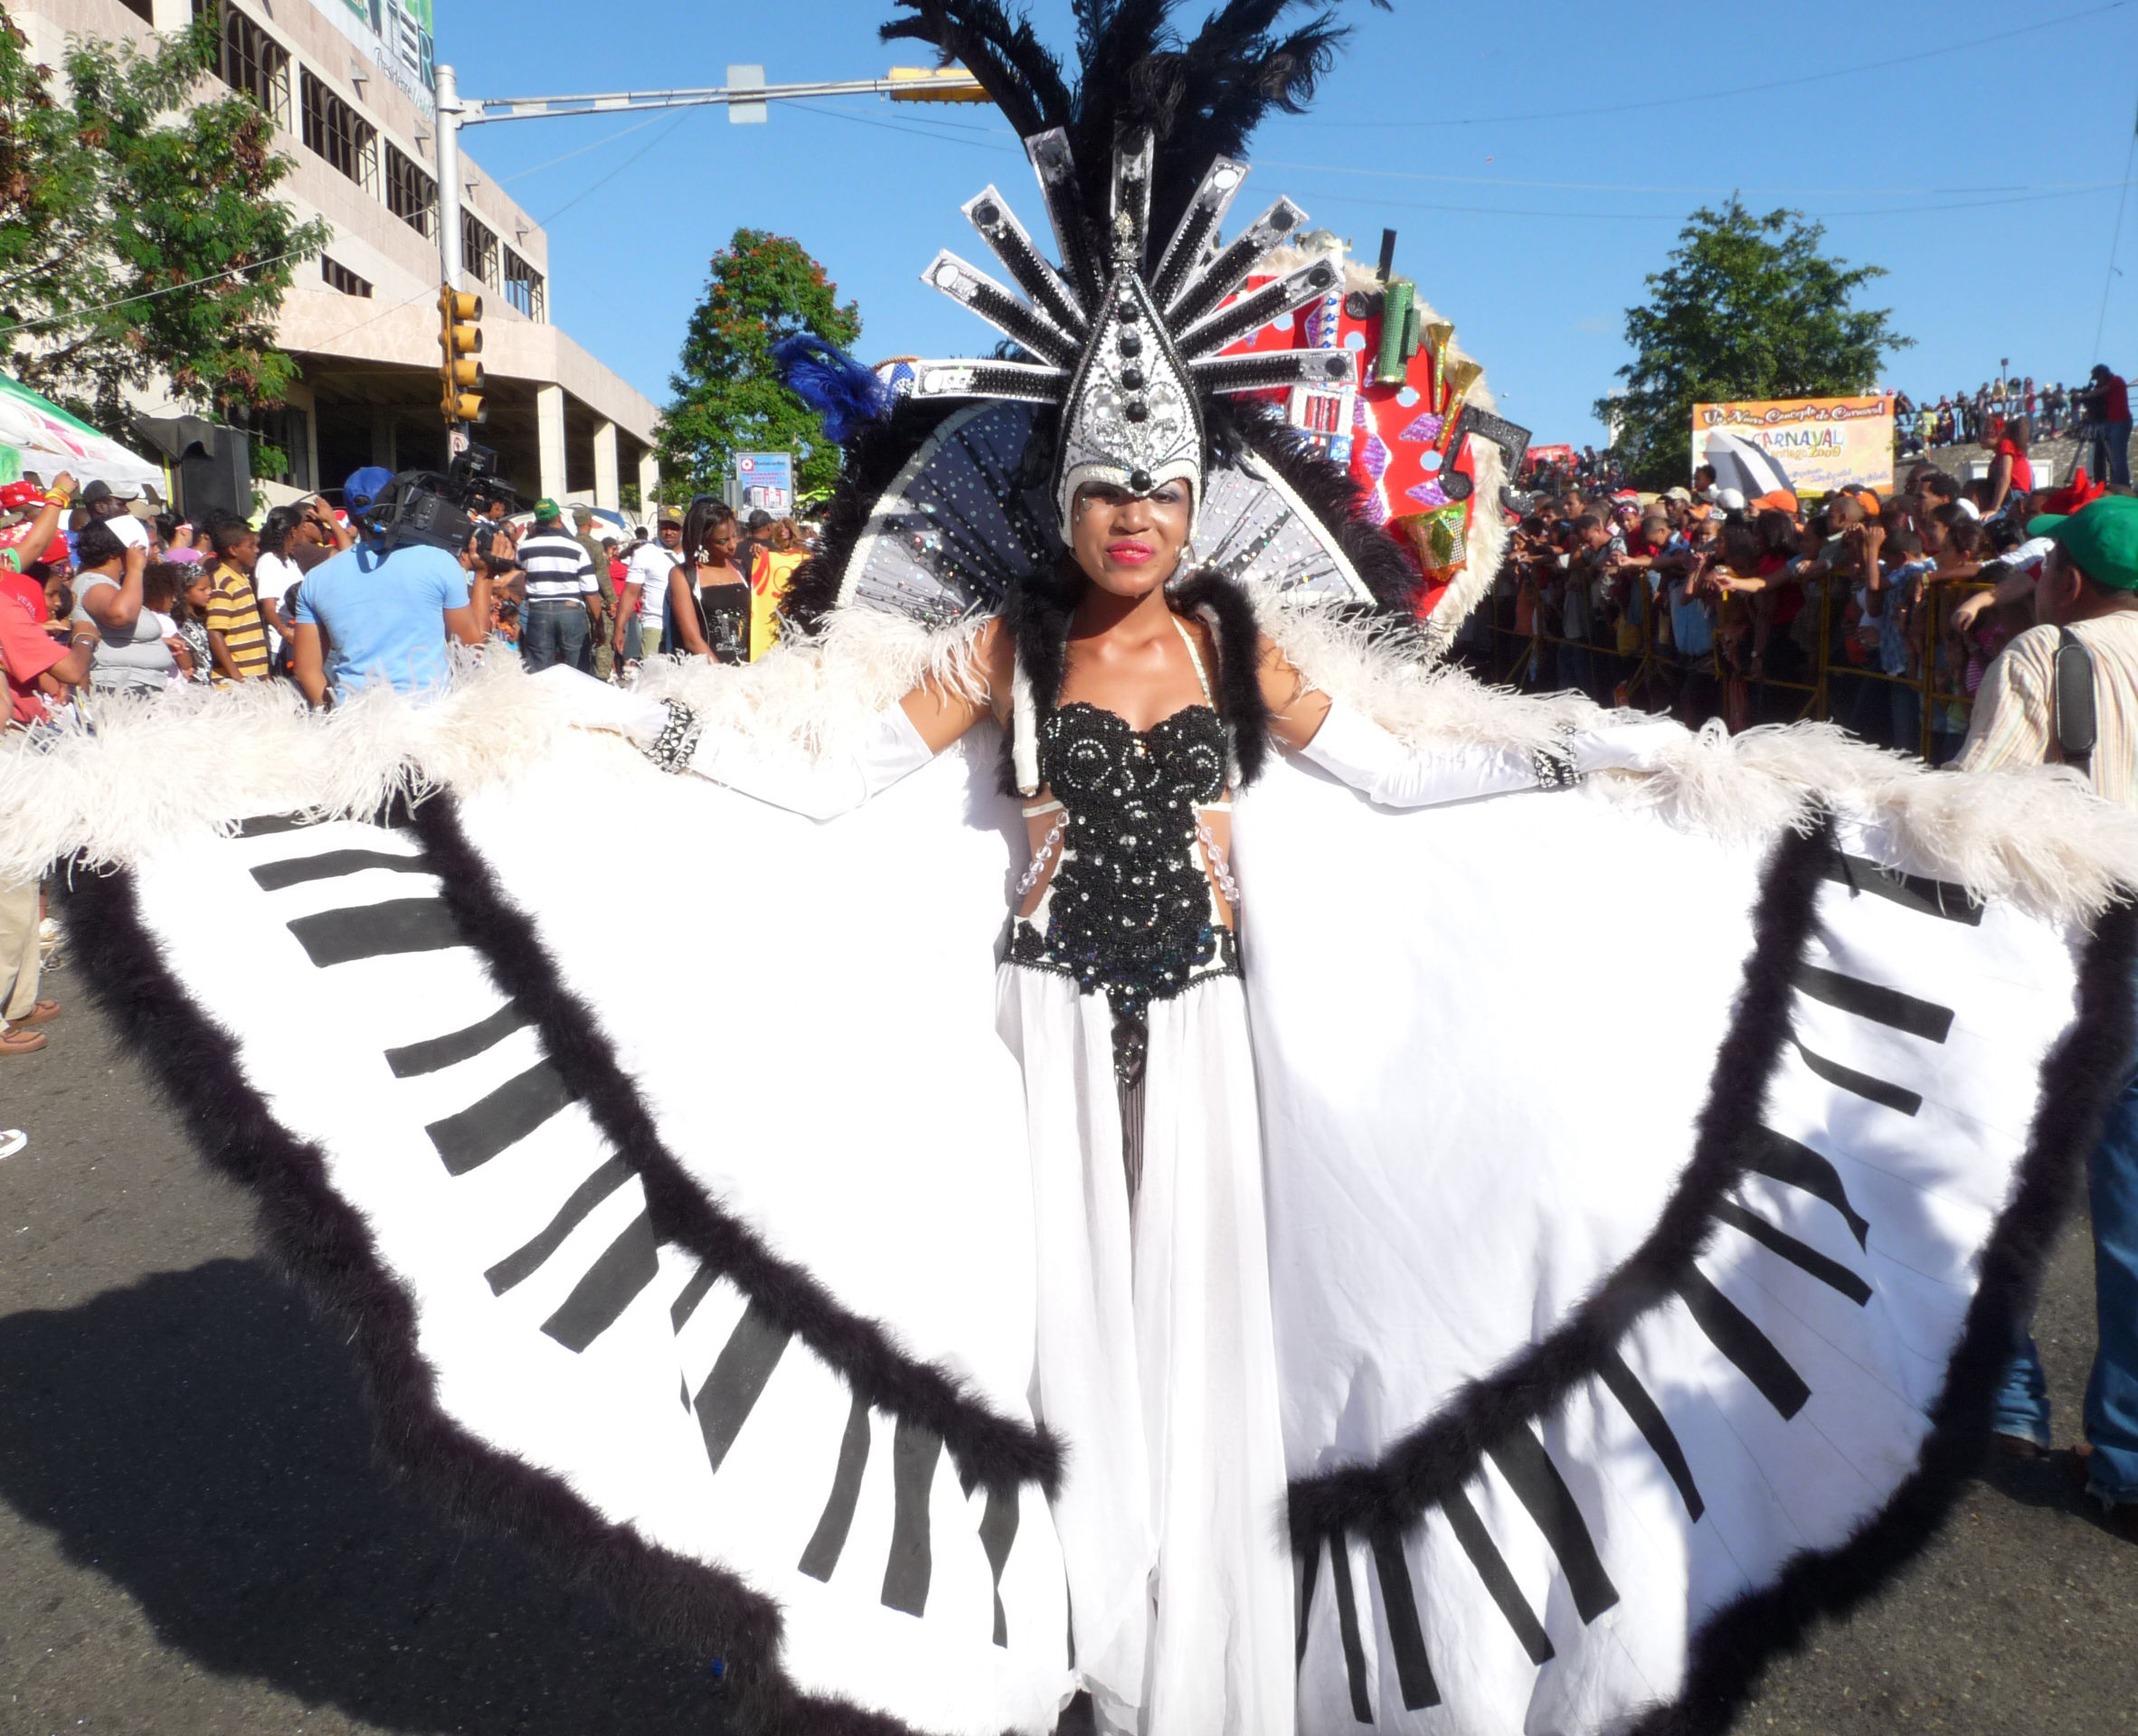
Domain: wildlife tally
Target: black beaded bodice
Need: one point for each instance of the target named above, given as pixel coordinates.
(1130, 913)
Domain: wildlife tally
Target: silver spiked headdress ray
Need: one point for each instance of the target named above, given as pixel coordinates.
(1126, 359)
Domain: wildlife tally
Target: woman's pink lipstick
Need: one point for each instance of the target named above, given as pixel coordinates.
(1129, 554)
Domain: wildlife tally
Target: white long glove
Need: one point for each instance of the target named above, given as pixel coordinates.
(1352, 746)
(821, 789)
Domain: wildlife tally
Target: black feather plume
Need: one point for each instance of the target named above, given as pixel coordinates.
(1201, 97)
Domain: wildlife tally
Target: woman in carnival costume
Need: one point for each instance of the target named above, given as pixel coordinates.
(1213, 1307)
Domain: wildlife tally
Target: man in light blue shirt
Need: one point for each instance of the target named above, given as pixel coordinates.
(368, 616)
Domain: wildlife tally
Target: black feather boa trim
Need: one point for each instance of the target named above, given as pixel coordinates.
(1386, 1499)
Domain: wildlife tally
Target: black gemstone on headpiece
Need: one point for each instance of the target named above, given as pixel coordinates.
(1133, 378)
(1135, 411)
(1141, 481)
(1358, 305)
(1338, 366)
(1128, 310)
(1131, 344)
(1279, 220)
(989, 213)
(1322, 277)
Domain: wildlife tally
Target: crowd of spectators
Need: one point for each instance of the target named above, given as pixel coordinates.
(102, 595)
(1703, 603)
(2097, 411)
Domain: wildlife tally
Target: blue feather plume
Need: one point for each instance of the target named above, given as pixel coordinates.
(846, 393)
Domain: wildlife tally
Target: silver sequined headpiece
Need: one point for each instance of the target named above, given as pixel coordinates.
(1127, 354)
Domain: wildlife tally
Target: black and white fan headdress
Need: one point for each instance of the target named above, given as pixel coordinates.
(1127, 357)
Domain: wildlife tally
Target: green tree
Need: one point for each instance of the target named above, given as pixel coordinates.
(728, 396)
(138, 234)
(1747, 307)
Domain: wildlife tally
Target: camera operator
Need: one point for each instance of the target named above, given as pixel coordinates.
(2105, 403)
(382, 611)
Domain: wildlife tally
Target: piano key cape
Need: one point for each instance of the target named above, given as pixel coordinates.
(1655, 1167)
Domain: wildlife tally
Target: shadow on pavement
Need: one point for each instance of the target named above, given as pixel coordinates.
(195, 1438)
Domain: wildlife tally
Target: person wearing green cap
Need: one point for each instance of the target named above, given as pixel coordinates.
(563, 597)
(2086, 593)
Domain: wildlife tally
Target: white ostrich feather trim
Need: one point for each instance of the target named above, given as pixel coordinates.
(156, 769)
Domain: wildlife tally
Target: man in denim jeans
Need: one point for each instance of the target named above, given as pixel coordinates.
(563, 596)
(2088, 585)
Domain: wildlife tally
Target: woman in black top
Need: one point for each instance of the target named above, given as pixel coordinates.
(708, 594)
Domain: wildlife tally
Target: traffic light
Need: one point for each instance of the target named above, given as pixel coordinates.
(936, 84)
(460, 375)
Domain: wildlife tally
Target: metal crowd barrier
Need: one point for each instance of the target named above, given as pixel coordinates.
(1657, 665)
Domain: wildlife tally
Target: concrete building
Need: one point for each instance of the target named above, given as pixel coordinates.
(348, 85)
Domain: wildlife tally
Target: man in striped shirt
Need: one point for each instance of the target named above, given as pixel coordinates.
(563, 596)
(2087, 587)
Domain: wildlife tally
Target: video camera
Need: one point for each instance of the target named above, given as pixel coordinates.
(423, 508)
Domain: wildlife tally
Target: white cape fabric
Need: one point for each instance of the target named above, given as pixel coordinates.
(1651, 1171)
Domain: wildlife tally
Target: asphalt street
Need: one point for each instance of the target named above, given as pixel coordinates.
(196, 1539)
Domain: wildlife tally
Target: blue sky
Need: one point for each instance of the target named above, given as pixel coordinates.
(1536, 160)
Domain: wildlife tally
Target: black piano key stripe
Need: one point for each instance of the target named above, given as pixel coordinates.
(1500, 1579)
(1308, 1575)
(1347, 1603)
(998, 1532)
(1655, 1428)
(1827, 1271)
(437, 1053)
(268, 826)
(1875, 1090)
(913, 1454)
(477, 1134)
(739, 1374)
(1407, 1633)
(828, 1540)
(611, 1285)
(1537, 1485)
(1794, 1164)
(399, 925)
(332, 864)
(694, 1292)
(523, 1262)
(1912, 891)
(1881, 1005)
(1732, 1332)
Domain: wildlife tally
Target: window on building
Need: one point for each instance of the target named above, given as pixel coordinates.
(410, 194)
(341, 278)
(340, 135)
(249, 60)
(522, 286)
(479, 250)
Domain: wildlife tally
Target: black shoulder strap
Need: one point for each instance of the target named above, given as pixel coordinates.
(2073, 699)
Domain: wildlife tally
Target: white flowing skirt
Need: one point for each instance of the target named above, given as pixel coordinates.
(1156, 1364)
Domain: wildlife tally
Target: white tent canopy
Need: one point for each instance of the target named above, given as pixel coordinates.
(47, 440)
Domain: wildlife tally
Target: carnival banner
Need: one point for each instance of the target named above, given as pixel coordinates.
(1818, 444)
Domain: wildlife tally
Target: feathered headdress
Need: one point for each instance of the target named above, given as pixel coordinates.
(1114, 370)
(1125, 332)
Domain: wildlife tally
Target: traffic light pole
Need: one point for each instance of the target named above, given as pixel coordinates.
(903, 85)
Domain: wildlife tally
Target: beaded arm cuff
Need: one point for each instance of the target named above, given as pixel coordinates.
(1555, 765)
(678, 740)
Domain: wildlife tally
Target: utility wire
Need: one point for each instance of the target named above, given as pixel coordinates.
(149, 295)
(1674, 217)
(610, 138)
(1767, 87)
(2101, 325)
(682, 115)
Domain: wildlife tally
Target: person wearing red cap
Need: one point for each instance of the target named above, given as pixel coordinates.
(34, 518)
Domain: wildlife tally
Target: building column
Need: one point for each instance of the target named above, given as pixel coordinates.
(650, 483)
(606, 489)
(549, 435)
(383, 438)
